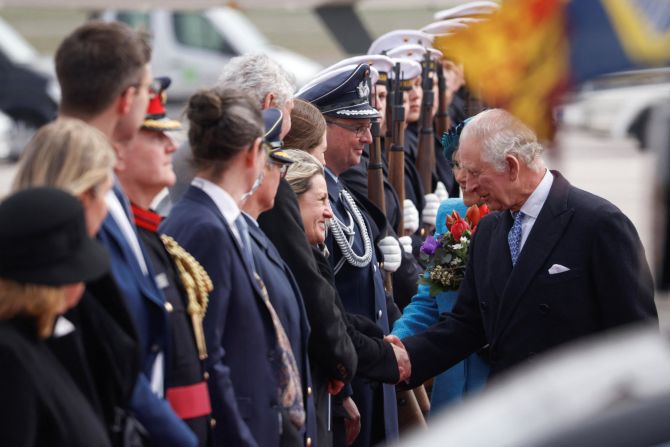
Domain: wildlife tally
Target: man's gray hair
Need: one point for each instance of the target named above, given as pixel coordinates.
(257, 75)
(501, 134)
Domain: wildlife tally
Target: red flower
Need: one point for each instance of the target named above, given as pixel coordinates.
(452, 218)
(472, 215)
(458, 228)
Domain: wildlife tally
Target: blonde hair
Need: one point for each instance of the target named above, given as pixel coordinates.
(300, 173)
(42, 303)
(67, 154)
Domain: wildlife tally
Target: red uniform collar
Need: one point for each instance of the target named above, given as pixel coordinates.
(146, 219)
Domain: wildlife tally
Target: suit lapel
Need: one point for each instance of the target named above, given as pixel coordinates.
(200, 196)
(257, 235)
(500, 264)
(545, 234)
(146, 282)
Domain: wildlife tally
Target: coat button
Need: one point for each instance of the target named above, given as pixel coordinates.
(212, 422)
(484, 304)
(308, 443)
(544, 308)
(374, 267)
(309, 390)
(155, 348)
(169, 307)
(379, 314)
(205, 375)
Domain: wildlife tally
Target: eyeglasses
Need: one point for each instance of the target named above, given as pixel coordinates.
(358, 130)
(283, 167)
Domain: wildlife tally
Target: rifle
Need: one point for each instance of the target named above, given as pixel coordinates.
(376, 178)
(396, 153)
(442, 117)
(375, 165)
(425, 157)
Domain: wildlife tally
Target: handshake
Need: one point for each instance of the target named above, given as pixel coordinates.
(401, 356)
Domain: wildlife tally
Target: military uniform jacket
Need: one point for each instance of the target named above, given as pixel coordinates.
(406, 277)
(362, 292)
(526, 310)
(146, 304)
(184, 367)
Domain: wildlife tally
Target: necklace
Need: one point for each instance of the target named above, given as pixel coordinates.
(345, 242)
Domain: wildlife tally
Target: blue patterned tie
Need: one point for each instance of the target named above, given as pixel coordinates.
(514, 236)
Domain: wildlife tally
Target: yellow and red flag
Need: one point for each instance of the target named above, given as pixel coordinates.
(523, 57)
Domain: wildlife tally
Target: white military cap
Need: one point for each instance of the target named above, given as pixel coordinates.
(444, 27)
(409, 70)
(470, 9)
(379, 62)
(399, 37)
(415, 53)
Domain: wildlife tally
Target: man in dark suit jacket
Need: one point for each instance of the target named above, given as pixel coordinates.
(567, 265)
(112, 95)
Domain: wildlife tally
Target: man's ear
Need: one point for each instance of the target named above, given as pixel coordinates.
(512, 166)
(125, 101)
(268, 101)
(254, 152)
(120, 151)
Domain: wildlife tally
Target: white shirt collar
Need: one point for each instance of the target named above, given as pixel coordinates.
(224, 201)
(533, 205)
(330, 173)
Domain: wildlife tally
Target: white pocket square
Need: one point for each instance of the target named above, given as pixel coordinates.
(558, 268)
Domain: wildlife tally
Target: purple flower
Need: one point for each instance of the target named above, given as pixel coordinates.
(430, 245)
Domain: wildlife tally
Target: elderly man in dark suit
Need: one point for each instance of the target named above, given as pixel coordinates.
(555, 264)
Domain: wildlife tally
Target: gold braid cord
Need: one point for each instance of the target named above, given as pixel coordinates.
(197, 284)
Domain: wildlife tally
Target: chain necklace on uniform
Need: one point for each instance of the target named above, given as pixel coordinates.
(345, 242)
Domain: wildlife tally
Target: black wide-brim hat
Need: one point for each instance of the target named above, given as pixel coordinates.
(43, 239)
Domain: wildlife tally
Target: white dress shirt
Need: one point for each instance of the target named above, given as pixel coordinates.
(224, 202)
(533, 205)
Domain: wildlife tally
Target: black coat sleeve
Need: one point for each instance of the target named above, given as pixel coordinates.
(376, 360)
(329, 345)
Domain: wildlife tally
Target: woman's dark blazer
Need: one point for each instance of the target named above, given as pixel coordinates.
(40, 404)
(240, 336)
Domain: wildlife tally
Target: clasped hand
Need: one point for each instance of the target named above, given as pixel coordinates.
(401, 356)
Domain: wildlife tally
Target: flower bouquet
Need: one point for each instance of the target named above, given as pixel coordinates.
(445, 256)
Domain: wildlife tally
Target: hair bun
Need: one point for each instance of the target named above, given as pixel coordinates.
(205, 108)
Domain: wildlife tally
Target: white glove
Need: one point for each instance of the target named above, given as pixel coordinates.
(429, 214)
(441, 191)
(391, 254)
(410, 216)
(406, 243)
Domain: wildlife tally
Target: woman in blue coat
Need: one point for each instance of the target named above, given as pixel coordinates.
(424, 310)
(225, 135)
